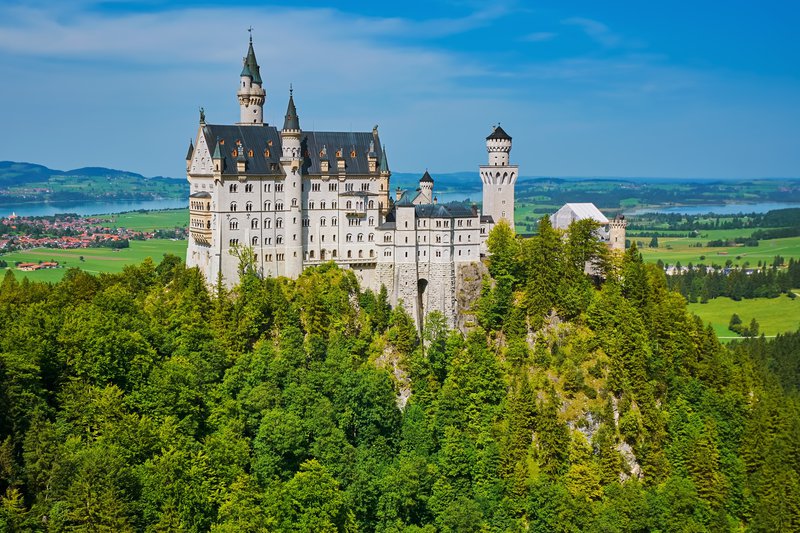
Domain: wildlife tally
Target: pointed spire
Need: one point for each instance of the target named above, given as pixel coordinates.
(190, 153)
(426, 178)
(217, 152)
(251, 68)
(292, 121)
(384, 165)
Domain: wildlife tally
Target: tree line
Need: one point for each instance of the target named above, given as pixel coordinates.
(584, 397)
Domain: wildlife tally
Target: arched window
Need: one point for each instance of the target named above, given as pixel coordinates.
(232, 188)
(360, 254)
(360, 237)
(278, 206)
(254, 224)
(371, 237)
(334, 222)
(349, 237)
(279, 239)
(254, 241)
(372, 253)
(294, 202)
(322, 221)
(311, 254)
(333, 254)
(267, 205)
(267, 223)
(248, 206)
(233, 206)
(279, 223)
(349, 254)
(371, 205)
(233, 224)
(371, 221)
(348, 205)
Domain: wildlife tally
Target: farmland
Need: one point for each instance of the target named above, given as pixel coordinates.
(774, 315)
(95, 260)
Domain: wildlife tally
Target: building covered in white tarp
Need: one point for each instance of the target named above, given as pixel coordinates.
(610, 231)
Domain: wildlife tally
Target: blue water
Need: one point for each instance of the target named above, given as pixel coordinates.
(89, 208)
(717, 209)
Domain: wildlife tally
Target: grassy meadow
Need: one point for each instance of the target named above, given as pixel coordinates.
(774, 315)
(96, 260)
(148, 220)
(674, 249)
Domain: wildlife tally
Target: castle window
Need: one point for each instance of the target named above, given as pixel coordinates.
(460, 222)
(248, 187)
(459, 238)
(371, 204)
(279, 187)
(459, 252)
(469, 223)
(365, 186)
(349, 237)
(322, 204)
(438, 238)
(311, 254)
(294, 202)
(279, 239)
(352, 153)
(387, 238)
(232, 187)
(254, 241)
(311, 205)
(349, 254)
(306, 222)
(254, 224)
(235, 153)
(233, 242)
(266, 152)
(311, 238)
(332, 187)
(267, 187)
(267, 223)
(315, 187)
(267, 257)
(280, 257)
(279, 223)
(333, 254)
(233, 224)
(249, 206)
(267, 240)
(438, 253)
(267, 205)
(371, 237)
(371, 221)
(348, 187)
(322, 221)
(372, 253)
(360, 254)
(360, 237)
(387, 253)
(278, 206)
(233, 206)
(334, 221)
(349, 205)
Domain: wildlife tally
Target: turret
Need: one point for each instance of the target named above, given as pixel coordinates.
(426, 188)
(292, 163)
(189, 155)
(499, 177)
(616, 233)
(251, 95)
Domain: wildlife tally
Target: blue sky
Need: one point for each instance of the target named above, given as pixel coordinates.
(586, 88)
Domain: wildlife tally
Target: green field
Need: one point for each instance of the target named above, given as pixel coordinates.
(774, 315)
(95, 259)
(149, 220)
(674, 249)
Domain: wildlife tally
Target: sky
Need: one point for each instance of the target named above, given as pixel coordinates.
(585, 88)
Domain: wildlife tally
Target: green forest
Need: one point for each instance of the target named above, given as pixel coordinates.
(147, 401)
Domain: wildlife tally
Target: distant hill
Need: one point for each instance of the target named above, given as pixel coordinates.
(28, 182)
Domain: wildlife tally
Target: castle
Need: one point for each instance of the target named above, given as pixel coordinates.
(295, 198)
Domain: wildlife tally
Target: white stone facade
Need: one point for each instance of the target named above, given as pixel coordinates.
(294, 198)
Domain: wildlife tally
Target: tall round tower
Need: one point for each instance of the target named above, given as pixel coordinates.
(426, 188)
(292, 163)
(616, 233)
(251, 95)
(499, 178)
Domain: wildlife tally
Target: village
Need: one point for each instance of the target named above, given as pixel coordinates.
(65, 231)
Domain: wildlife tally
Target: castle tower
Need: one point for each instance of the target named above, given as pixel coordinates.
(426, 188)
(292, 163)
(499, 178)
(616, 233)
(251, 95)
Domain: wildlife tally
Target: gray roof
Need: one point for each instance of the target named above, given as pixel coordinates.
(388, 225)
(292, 121)
(257, 139)
(499, 133)
(487, 219)
(384, 164)
(451, 210)
(426, 178)
(190, 153)
(201, 194)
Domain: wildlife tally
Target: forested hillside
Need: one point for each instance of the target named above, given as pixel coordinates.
(143, 401)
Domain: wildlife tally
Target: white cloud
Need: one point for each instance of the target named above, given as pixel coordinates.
(596, 30)
(539, 36)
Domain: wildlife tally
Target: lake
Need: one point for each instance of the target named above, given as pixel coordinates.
(90, 208)
(717, 209)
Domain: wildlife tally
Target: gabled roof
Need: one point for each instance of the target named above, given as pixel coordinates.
(384, 164)
(581, 211)
(265, 142)
(499, 133)
(190, 153)
(449, 210)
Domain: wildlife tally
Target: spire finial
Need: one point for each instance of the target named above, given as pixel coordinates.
(291, 90)
(250, 31)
